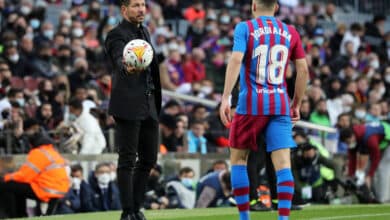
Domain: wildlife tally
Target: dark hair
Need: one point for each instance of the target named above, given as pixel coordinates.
(185, 170)
(346, 134)
(342, 115)
(76, 103)
(220, 162)
(267, 3)
(13, 91)
(226, 179)
(103, 164)
(76, 167)
(124, 2)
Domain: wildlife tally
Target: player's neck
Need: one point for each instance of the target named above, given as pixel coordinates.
(263, 13)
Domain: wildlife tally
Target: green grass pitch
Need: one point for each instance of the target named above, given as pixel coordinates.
(342, 212)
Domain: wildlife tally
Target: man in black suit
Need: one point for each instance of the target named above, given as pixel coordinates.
(135, 105)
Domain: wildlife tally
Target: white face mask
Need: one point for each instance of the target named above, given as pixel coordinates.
(103, 180)
(49, 34)
(375, 64)
(352, 145)
(72, 117)
(387, 78)
(25, 10)
(207, 90)
(113, 176)
(67, 22)
(360, 114)
(76, 182)
(14, 58)
(78, 32)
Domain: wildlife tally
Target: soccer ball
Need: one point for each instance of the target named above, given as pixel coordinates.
(138, 53)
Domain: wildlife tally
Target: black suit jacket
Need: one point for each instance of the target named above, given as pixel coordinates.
(128, 90)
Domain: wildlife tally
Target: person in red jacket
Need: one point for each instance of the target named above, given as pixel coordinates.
(194, 70)
(42, 177)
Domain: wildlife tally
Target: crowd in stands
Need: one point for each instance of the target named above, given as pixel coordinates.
(56, 72)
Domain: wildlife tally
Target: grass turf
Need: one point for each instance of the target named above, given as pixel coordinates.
(343, 212)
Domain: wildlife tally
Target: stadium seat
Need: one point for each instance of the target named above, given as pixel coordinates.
(17, 82)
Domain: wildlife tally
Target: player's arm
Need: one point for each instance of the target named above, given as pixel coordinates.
(233, 70)
(298, 55)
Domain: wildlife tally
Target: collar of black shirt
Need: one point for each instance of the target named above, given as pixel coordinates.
(133, 27)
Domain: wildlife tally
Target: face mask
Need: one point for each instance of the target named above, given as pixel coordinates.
(103, 180)
(25, 10)
(72, 117)
(182, 49)
(113, 176)
(34, 23)
(49, 34)
(111, 21)
(225, 19)
(360, 114)
(76, 182)
(319, 40)
(382, 90)
(207, 90)
(375, 64)
(21, 102)
(352, 145)
(209, 28)
(14, 58)
(187, 182)
(387, 78)
(67, 22)
(78, 32)
(229, 3)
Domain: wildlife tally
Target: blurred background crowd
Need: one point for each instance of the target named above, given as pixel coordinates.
(53, 68)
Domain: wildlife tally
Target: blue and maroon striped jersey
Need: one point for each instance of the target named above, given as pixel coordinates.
(268, 46)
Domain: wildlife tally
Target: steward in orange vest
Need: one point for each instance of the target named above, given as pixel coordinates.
(42, 177)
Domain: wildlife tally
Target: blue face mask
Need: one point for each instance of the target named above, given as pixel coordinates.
(72, 117)
(111, 21)
(319, 40)
(187, 182)
(34, 23)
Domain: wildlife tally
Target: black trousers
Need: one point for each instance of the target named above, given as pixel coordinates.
(137, 142)
(13, 199)
(256, 161)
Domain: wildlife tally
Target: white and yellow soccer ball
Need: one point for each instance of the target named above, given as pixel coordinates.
(138, 53)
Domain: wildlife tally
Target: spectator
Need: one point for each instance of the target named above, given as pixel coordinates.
(194, 69)
(180, 189)
(18, 64)
(353, 36)
(195, 34)
(80, 196)
(197, 143)
(320, 115)
(213, 190)
(92, 138)
(43, 63)
(45, 118)
(167, 131)
(106, 193)
(155, 193)
(195, 11)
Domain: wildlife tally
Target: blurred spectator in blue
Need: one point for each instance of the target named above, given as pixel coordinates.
(197, 143)
(195, 34)
(106, 193)
(213, 190)
(46, 34)
(374, 113)
(80, 196)
(174, 65)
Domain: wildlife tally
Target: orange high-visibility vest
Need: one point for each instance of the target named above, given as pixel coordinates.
(45, 171)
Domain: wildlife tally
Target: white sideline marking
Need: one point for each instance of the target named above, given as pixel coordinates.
(351, 216)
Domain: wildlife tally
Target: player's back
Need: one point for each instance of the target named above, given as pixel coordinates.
(268, 45)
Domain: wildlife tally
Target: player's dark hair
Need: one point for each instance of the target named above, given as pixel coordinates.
(76, 167)
(124, 2)
(185, 170)
(267, 3)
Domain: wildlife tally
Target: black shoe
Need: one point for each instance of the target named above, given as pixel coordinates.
(139, 216)
(259, 207)
(125, 216)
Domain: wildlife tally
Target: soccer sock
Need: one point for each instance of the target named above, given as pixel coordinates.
(285, 190)
(240, 185)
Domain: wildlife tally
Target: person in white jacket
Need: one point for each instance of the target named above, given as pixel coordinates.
(92, 140)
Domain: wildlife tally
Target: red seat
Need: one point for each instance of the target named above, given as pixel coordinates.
(17, 82)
